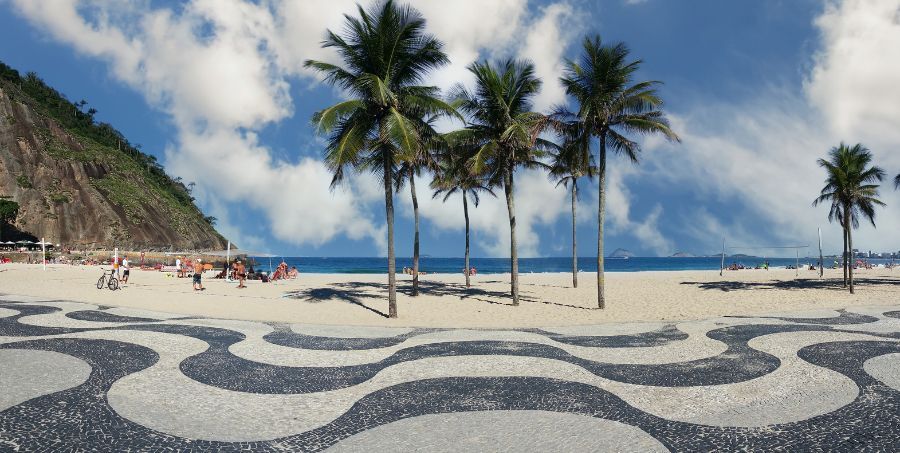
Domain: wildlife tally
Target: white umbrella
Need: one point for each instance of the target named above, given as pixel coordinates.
(238, 252)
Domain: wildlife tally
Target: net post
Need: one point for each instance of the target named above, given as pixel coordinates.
(722, 266)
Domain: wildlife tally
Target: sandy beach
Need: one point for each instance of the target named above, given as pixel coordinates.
(547, 299)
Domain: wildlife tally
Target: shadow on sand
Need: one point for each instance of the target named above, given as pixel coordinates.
(356, 292)
(829, 284)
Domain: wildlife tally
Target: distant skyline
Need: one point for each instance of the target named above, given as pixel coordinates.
(758, 90)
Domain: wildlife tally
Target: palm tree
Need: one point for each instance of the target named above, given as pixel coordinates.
(453, 176)
(610, 107)
(569, 164)
(504, 131)
(412, 164)
(850, 188)
(385, 53)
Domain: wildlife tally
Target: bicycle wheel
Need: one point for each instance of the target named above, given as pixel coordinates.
(101, 282)
(113, 283)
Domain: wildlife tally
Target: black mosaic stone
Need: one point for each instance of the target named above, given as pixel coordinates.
(844, 317)
(893, 314)
(657, 337)
(284, 336)
(102, 316)
(80, 419)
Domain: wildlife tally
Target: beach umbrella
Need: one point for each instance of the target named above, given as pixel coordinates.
(239, 252)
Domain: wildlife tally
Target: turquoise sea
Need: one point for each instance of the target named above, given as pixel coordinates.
(331, 265)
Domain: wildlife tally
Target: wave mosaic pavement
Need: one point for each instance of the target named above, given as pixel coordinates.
(84, 377)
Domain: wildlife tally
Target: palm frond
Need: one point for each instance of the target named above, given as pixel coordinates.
(850, 184)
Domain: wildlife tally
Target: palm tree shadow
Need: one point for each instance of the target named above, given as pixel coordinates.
(316, 295)
(800, 284)
(355, 292)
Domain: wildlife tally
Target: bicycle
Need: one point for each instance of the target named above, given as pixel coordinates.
(112, 283)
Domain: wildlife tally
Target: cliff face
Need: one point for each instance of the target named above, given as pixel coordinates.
(75, 191)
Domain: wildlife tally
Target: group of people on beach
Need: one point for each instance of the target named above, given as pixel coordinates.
(736, 266)
(239, 272)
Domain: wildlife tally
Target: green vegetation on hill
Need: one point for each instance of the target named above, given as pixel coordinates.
(133, 180)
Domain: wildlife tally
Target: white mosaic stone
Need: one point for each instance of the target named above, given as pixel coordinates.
(27, 374)
(796, 390)
(628, 328)
(349, 331)
(885, 368)
(502, 431)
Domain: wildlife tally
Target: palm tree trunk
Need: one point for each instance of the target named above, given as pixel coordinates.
(574, 248)
(513, 254)
(852, 259)
(601, 216)
(846, 253)
(466, 213)
(389, 213)
(415, 201)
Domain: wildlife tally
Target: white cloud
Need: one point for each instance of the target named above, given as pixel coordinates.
(295, 197)
(854, 81)
(222, 70)
(545, 44)
(538, 203)
(618, 209)
(759, 157)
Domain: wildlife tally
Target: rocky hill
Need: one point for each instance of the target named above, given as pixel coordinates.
(82, 183)
(621, 253)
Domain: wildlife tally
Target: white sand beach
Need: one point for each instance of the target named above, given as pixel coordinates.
(547, 299)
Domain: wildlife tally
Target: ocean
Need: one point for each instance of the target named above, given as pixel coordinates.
(330, 265)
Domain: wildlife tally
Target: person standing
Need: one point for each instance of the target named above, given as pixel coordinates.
(198, 275)
(126, 269)
(178, 270)
(240, 273)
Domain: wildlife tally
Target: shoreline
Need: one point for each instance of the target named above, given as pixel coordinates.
(548, 300)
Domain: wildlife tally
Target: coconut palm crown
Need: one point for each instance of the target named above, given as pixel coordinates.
(385, 53)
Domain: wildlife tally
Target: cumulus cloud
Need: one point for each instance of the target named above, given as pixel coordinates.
(545, 46)
(539, 202)
(854, 81)
(620, 221)
(759, 157)
(222, 69)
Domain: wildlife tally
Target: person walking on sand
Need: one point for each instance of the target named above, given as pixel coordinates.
(198, 275)
(126, 269)
(240, 273)
(178, 270)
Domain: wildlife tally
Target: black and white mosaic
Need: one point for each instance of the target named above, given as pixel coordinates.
(78, 377)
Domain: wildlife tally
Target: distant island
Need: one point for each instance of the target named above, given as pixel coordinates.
(621, 253)
(683, 255)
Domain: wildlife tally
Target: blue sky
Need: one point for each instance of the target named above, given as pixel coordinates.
(757, 90)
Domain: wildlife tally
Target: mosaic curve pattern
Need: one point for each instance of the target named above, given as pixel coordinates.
(85, 377)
